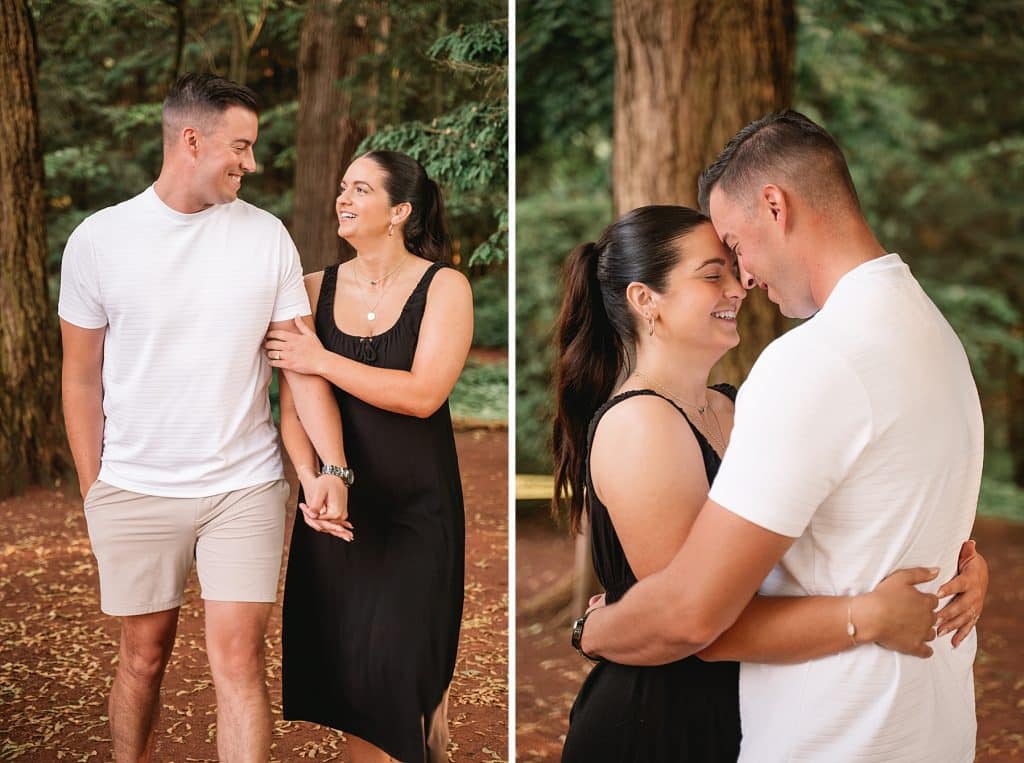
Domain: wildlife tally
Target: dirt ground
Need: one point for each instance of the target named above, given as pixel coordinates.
(549, 672)
(58, 651)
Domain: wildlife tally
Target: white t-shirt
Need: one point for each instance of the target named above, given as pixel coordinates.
(187, 300)
(860, 434)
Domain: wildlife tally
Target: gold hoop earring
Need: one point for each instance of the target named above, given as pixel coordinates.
(650, 326)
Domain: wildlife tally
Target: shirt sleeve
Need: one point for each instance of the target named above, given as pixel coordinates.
(291, 299)
(803, 418)
(80, 302)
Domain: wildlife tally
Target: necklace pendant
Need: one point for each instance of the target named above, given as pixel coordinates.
(371, 316)
(374, 283)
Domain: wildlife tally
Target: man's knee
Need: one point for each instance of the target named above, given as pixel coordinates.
(146, 644)
(235, 640)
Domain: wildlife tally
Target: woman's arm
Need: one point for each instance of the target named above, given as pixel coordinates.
(796, 629)
(648, 471)
(444, 340)
(786, 630)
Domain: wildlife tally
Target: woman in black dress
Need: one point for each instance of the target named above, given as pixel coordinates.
(638, 437)
(371, 626)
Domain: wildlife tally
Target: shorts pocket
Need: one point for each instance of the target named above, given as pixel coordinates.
(92, 492)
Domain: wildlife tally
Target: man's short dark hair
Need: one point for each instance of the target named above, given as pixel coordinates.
(198, 99)
(787, 148)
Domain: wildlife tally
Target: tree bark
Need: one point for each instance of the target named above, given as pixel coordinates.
(32, 443)
(688, 75)
(243, 38)
(1015, 418)
(333, 39)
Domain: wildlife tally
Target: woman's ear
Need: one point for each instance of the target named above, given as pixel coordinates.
(642, 300)
(400, 213)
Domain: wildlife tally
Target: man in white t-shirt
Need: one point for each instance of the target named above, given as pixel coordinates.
(857, 450)
(165, 302)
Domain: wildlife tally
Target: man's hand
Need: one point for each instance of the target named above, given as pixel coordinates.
(321, 494)
(335, 505)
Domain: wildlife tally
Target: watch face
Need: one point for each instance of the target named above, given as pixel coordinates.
(577, 633)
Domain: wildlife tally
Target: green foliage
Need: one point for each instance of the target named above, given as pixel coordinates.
(563, 136)
(106, 66)
(482, 47)
(481, 392)
(999, 496)
(549, 227)
(924, 99)
(490, 309)
(464, 146)
(565, 59)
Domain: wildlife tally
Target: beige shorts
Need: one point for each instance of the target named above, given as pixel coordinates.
(145, 546)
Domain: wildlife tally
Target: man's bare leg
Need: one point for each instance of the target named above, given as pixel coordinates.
(235, 634)
(146, 644)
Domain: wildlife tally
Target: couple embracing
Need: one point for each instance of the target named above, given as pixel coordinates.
(772, 560)
(174, 306)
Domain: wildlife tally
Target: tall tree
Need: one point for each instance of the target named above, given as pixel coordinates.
(333, 40)
(688, 75)
(31, 433)
(243, 36)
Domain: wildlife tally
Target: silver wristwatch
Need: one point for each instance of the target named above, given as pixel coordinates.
(343, 472)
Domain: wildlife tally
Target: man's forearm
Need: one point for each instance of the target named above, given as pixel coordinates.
(318, 414)
(83, 420)
(684, 607)
(650, 625)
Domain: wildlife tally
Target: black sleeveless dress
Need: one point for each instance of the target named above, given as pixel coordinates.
(371, 628)
(683, 711)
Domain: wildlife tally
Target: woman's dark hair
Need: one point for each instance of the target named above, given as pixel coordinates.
(596, 330)
(426, 234)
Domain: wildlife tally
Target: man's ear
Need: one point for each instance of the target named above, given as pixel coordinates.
(774, 200)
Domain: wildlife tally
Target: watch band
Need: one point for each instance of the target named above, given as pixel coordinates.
(345, 474)
(577, 636)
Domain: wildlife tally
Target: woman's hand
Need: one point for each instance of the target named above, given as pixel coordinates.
(301, 352)
(896, 615)
(968, 588)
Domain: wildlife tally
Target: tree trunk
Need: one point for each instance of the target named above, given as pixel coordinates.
(32, 444)
(333, 39)
(1015, 418)
(688, 75)
(243, 38)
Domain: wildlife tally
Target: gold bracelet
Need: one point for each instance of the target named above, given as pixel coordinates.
(851, 629)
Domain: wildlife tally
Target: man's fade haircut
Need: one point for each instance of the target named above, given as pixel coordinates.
(197, 100)
(787, 148)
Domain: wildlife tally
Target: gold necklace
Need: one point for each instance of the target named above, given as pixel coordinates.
(371, 310)
(374, 282)
(715, 439)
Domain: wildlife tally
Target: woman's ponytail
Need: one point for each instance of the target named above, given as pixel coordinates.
(589, 353)
(597, 329)
(428, 236)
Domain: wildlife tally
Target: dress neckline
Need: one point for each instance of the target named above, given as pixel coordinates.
(405, 307)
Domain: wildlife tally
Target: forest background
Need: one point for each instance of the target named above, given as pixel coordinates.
(333, 79)
(924, 99)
